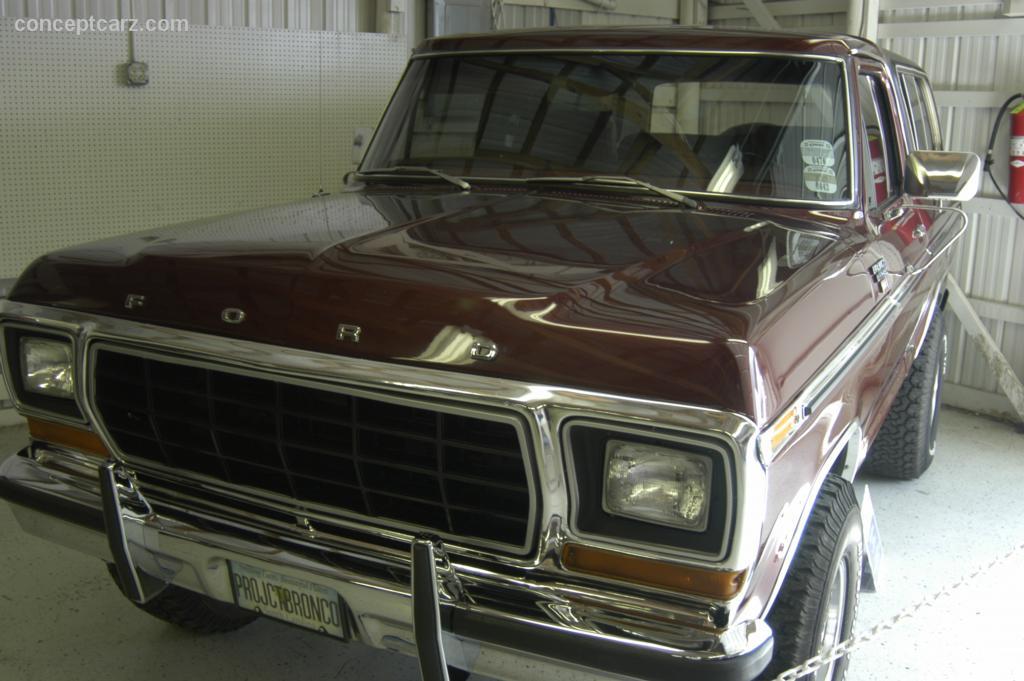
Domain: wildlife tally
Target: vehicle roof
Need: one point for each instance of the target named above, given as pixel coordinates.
(663, 37)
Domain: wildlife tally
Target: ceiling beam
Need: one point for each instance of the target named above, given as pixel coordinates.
(960, 27)
(929, 4)
(975, 99)
(668, 9)
(785, 8)
(761, 15)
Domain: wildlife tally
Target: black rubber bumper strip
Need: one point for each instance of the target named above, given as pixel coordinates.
(86, 516)
(592, 652)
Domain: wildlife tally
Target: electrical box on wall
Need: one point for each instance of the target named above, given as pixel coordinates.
(136, 73)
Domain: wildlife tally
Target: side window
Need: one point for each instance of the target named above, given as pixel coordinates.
(923, 115)
(877, 143)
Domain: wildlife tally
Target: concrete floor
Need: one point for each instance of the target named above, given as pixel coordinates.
(62, 618)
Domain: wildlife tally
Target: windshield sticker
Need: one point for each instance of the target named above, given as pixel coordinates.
(817, 153)
(820, 179)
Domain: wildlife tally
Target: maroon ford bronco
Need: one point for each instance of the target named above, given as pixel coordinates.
(573, 376)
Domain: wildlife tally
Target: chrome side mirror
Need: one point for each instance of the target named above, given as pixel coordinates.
(947, 175)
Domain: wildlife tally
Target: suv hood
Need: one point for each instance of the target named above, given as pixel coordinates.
(620, 297)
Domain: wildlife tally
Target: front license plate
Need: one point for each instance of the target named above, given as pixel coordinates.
(292, 600)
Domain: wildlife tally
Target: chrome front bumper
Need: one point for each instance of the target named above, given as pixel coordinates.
(513, 629)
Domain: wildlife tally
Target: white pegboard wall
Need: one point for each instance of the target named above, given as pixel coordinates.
(345, 84)
(230, 120)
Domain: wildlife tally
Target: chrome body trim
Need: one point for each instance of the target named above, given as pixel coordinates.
(196, 557)
(113, 516)
(726, 453)
(426, 609)
(232, 315)
(925, 319)
(812, 397)
(740, 198)
(134, 301)
(814, 393)
(293, 506)
(543, 409)
(83, 467)
(621, 50)
(900, 73)
(851, 435)
(935, 254)
(348, 332)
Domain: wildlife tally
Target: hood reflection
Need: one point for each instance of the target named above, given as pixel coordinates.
(623, 295)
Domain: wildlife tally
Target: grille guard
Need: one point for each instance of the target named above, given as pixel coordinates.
(142, 584)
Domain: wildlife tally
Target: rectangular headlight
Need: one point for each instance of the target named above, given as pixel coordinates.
(47, 367)
(657, 484)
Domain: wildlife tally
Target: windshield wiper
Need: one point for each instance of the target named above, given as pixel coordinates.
(406, 170)
(617, 181)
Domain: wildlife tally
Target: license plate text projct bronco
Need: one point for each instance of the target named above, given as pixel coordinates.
(296, 601)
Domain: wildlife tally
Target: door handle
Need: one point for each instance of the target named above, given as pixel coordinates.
(919, 232)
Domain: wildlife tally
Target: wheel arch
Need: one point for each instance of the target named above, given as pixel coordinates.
(936, 304)
(844, 458)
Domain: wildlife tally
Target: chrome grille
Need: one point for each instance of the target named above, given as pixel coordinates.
(460, 475)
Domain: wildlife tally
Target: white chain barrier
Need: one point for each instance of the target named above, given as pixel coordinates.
(846, 647)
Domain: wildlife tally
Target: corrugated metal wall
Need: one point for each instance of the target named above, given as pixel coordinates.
(829, 16)
(523, 16)
(974, 67)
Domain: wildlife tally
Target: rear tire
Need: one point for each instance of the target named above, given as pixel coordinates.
(905, 446)
(817, 605)
(192, 611)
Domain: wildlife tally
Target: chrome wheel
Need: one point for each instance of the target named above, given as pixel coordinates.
(835, 609)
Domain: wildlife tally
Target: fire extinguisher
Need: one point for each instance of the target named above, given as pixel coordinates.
(1016, 193)
(878, 168)
(1017, 154)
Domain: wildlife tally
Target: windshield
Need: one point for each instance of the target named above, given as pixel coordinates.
(722, 124)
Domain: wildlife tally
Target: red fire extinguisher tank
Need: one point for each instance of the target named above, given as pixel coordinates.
(1017, 155)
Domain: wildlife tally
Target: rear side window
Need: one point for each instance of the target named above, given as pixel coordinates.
(877, 142)
(923, 116)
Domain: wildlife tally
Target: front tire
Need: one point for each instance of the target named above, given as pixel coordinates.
(817, 605)
(905, 446)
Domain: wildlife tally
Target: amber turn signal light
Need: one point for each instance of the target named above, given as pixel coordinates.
(78, 439)
(709, 583)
